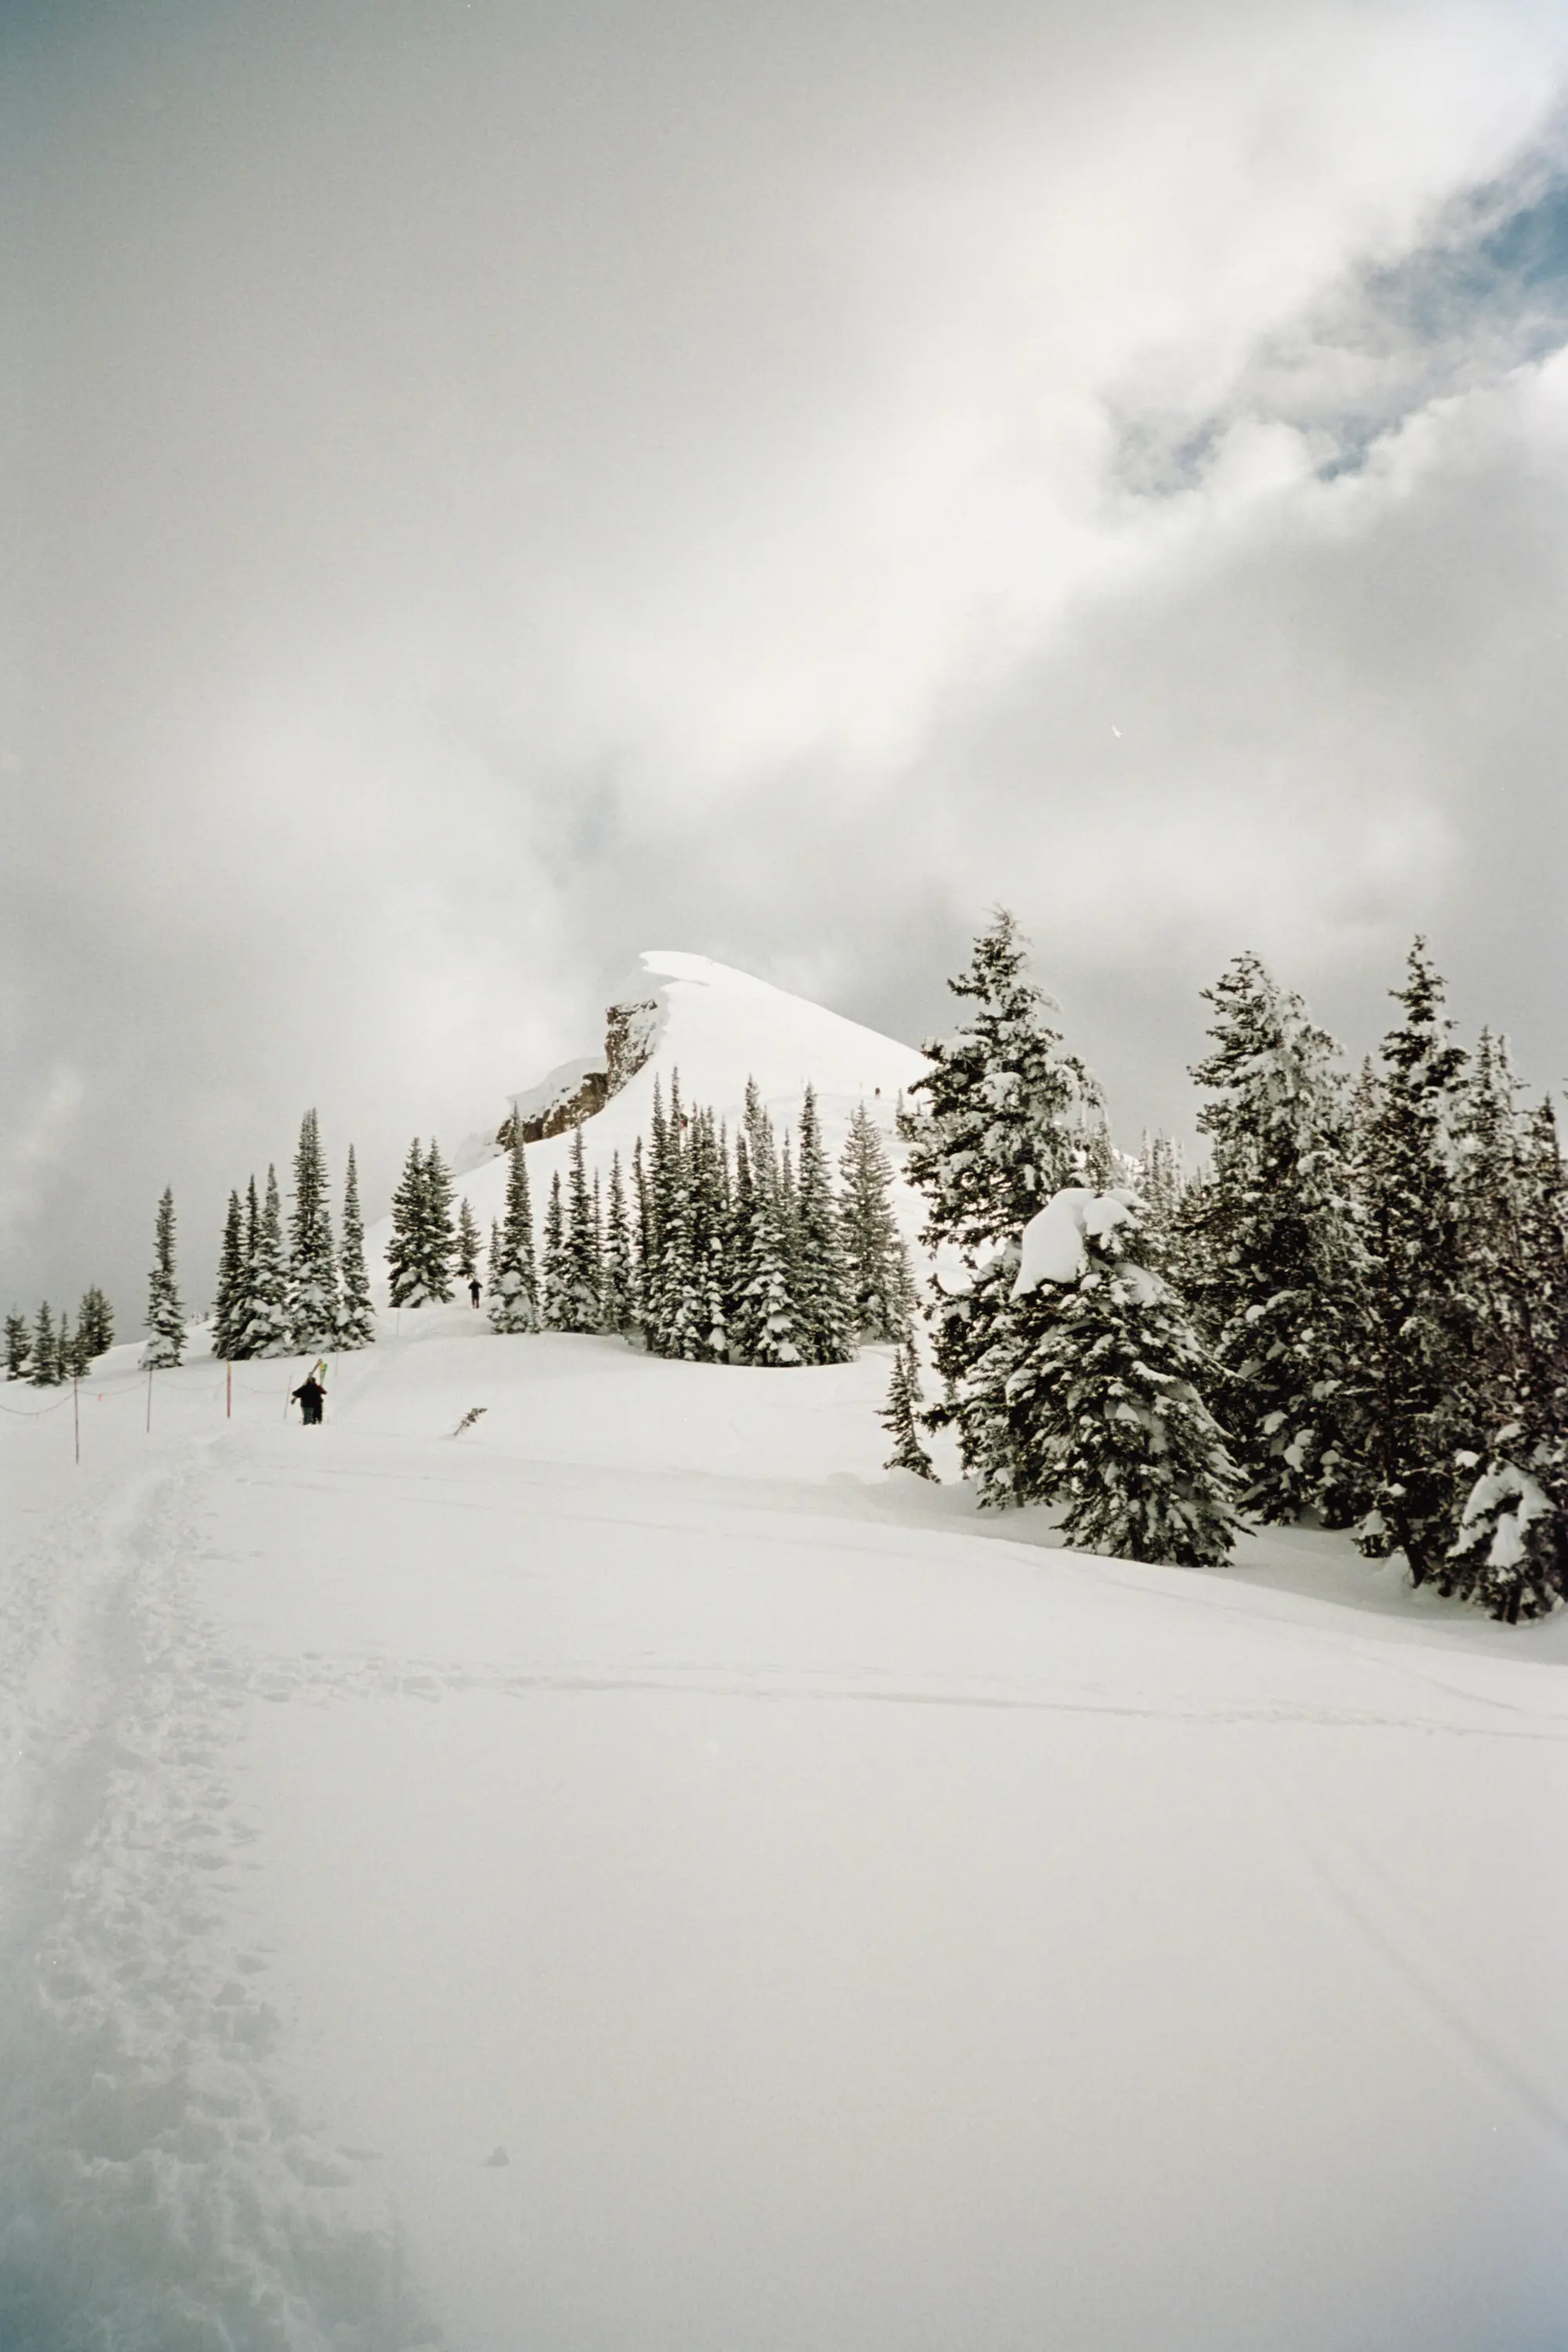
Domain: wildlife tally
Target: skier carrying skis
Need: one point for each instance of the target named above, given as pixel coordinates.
(473, 1289)
(310, 1396)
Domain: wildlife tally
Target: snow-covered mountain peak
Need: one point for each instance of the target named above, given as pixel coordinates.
(683, 1017)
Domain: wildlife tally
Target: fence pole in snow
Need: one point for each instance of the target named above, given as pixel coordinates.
(76, 1416)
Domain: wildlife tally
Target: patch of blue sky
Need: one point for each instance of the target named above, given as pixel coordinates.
(1485, 291)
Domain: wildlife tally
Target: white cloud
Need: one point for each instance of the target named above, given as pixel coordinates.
(500, 498)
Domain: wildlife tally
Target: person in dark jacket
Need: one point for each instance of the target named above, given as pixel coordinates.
(310, 1396)
(473, 1289)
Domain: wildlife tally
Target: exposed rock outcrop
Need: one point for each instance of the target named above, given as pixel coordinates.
(577, 1091)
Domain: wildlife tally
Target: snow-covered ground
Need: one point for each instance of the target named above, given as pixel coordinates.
(637, 1876)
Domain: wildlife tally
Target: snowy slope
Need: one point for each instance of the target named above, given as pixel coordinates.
(717, 1028)
(637, 1875)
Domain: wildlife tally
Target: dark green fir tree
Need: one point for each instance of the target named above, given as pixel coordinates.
(619, 1306)
(513, 1283)
(881, 1288)
(995, 1130)
(266, 1331)
(900, 1416)
(1107, 1396)
(312, 1258)
(165, 1344)
(230, 1301)
(1404, 1392)
(356, 1311)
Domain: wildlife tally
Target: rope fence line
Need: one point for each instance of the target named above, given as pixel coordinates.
(218, 1375)
(36, 1412)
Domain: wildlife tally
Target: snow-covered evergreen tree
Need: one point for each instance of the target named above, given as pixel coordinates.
(772, 1313)
(739, 1243)
(1094, 1154)
(902, 1414)
(18, 1347)
(1159, 1177)
(356, 1311)
(619, 1280)
(230, 1302)
(644, 1260)
(45, 1361)
(672, 1312)
(267, 1327)
(165, 1344)
(1262, 1245)
(405, 1250)
(95, 1323)
(881, 1286)
(312, 1259)
(823, 1284)
(469, 1245)
(513, 1284)
(1106, 1391)
(995, 1130)
(423, 1243)
(766, 1325)
(552, 1266)
(709, 1210)
(1405, 1385)
(580, 1304)
(439, 1227)
(79, 1352)
(1510, 1554)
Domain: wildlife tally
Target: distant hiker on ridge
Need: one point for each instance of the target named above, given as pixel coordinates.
(310, 1396)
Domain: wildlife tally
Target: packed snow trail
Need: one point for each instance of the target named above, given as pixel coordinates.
(156, 2189)
(635, 1876)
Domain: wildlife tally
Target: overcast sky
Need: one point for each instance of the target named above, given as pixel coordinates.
(489, 488)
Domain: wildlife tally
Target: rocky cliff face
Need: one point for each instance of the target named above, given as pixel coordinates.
(575, 1093)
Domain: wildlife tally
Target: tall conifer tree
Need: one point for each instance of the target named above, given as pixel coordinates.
(1106, 1399)
(439, 1228)
(513, 1284)
(994, 1132)
(900, 1415)
(1509, 1553)
(95, 1323)
(468, 1243)
(356, 1311)
(881, 1288)
(552, 1266)
(230, 1302)
(580, 1304)
(1263, 1244)
(45, 1360)
(619, 1281)
(823, 1280)
(312, 1260)
(1405, 1388)
(407, 1255)
(165, 1344)
(266, 1328)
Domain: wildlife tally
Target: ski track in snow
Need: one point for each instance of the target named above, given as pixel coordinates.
(156, 2189)
(223, 1609)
